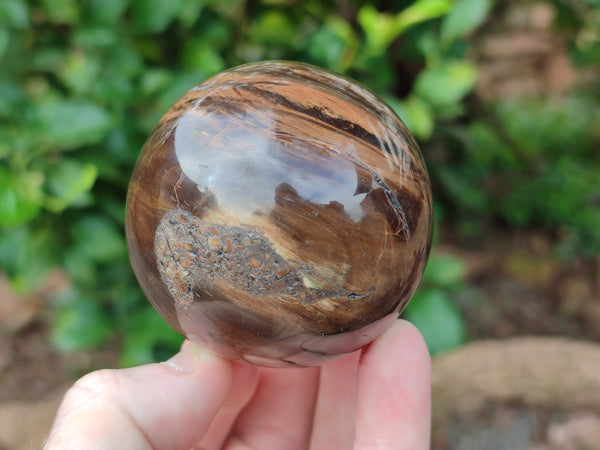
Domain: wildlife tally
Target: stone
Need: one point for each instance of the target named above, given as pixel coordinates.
(279, 214)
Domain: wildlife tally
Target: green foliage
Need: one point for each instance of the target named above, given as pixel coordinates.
(85, 82)
(68, 183)
(465, 17)
(432, 309)
(580, 22)
(381, 29)
(81, 322)
(20, 196)
(148, 338)
(438, 319)
(453, 80)
(529, 163)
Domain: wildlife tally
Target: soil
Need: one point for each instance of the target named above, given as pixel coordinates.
(519, 287)
(33, 376)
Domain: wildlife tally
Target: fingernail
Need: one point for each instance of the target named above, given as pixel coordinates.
(190, 359)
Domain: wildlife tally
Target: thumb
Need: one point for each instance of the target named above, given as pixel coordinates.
(167, 405)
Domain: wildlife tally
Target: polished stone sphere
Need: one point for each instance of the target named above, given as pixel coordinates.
(279, 214)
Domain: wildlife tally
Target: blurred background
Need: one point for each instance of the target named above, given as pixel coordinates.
(503, 97)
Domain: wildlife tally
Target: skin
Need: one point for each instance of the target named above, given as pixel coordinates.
(376, 398)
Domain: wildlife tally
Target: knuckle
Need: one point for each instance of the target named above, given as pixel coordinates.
(100, 384)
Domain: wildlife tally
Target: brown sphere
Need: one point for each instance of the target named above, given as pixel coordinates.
(279, 214)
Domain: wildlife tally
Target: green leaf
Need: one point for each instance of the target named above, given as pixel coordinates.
(464, 17)
(381, 29)
(378, 28)
(105, 12)
(68, 124)
(218, 32)
(14, 13)
(79, 71)
(20, 196)
(446, 84)
(190, 12)
(99, 239)
(427, 44)
(421, 11)
(67, 181)
(200, 55)
(154, 80)
(12, 98)
(61, 12)
(27, 254)
(416, 115)
(438, 319)
(228, 8)
(334, 44)
(80, 323)
(47, 59)
(126, 60)
(114, 91)
(146, 333)
(97, 37)
(154, 16)
(4, 40)
(444, 271)
(179, 85)
(79, 267)
(456, 184)
(275, 27)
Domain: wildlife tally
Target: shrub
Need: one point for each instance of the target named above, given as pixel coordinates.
(84, 82)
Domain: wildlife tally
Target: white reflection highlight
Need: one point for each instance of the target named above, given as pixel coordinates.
(243, 165)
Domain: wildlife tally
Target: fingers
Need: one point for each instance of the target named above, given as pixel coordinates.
(245, 380)
(335, 414)
(166, 406)
(280, 412)
(172, 405)
(394, 394)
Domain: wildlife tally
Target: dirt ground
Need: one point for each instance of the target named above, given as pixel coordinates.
(33, 379)
(521, 288)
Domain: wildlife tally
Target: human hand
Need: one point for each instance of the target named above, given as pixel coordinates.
(378, 397)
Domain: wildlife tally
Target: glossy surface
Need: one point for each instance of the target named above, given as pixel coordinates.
(279, 214)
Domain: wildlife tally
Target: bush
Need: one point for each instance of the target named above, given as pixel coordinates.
(84, 82)
(528, 163)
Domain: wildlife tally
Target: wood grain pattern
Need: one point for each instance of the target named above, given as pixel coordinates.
(279, 214)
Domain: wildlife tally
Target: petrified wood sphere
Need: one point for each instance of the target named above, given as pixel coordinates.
(279, 214)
